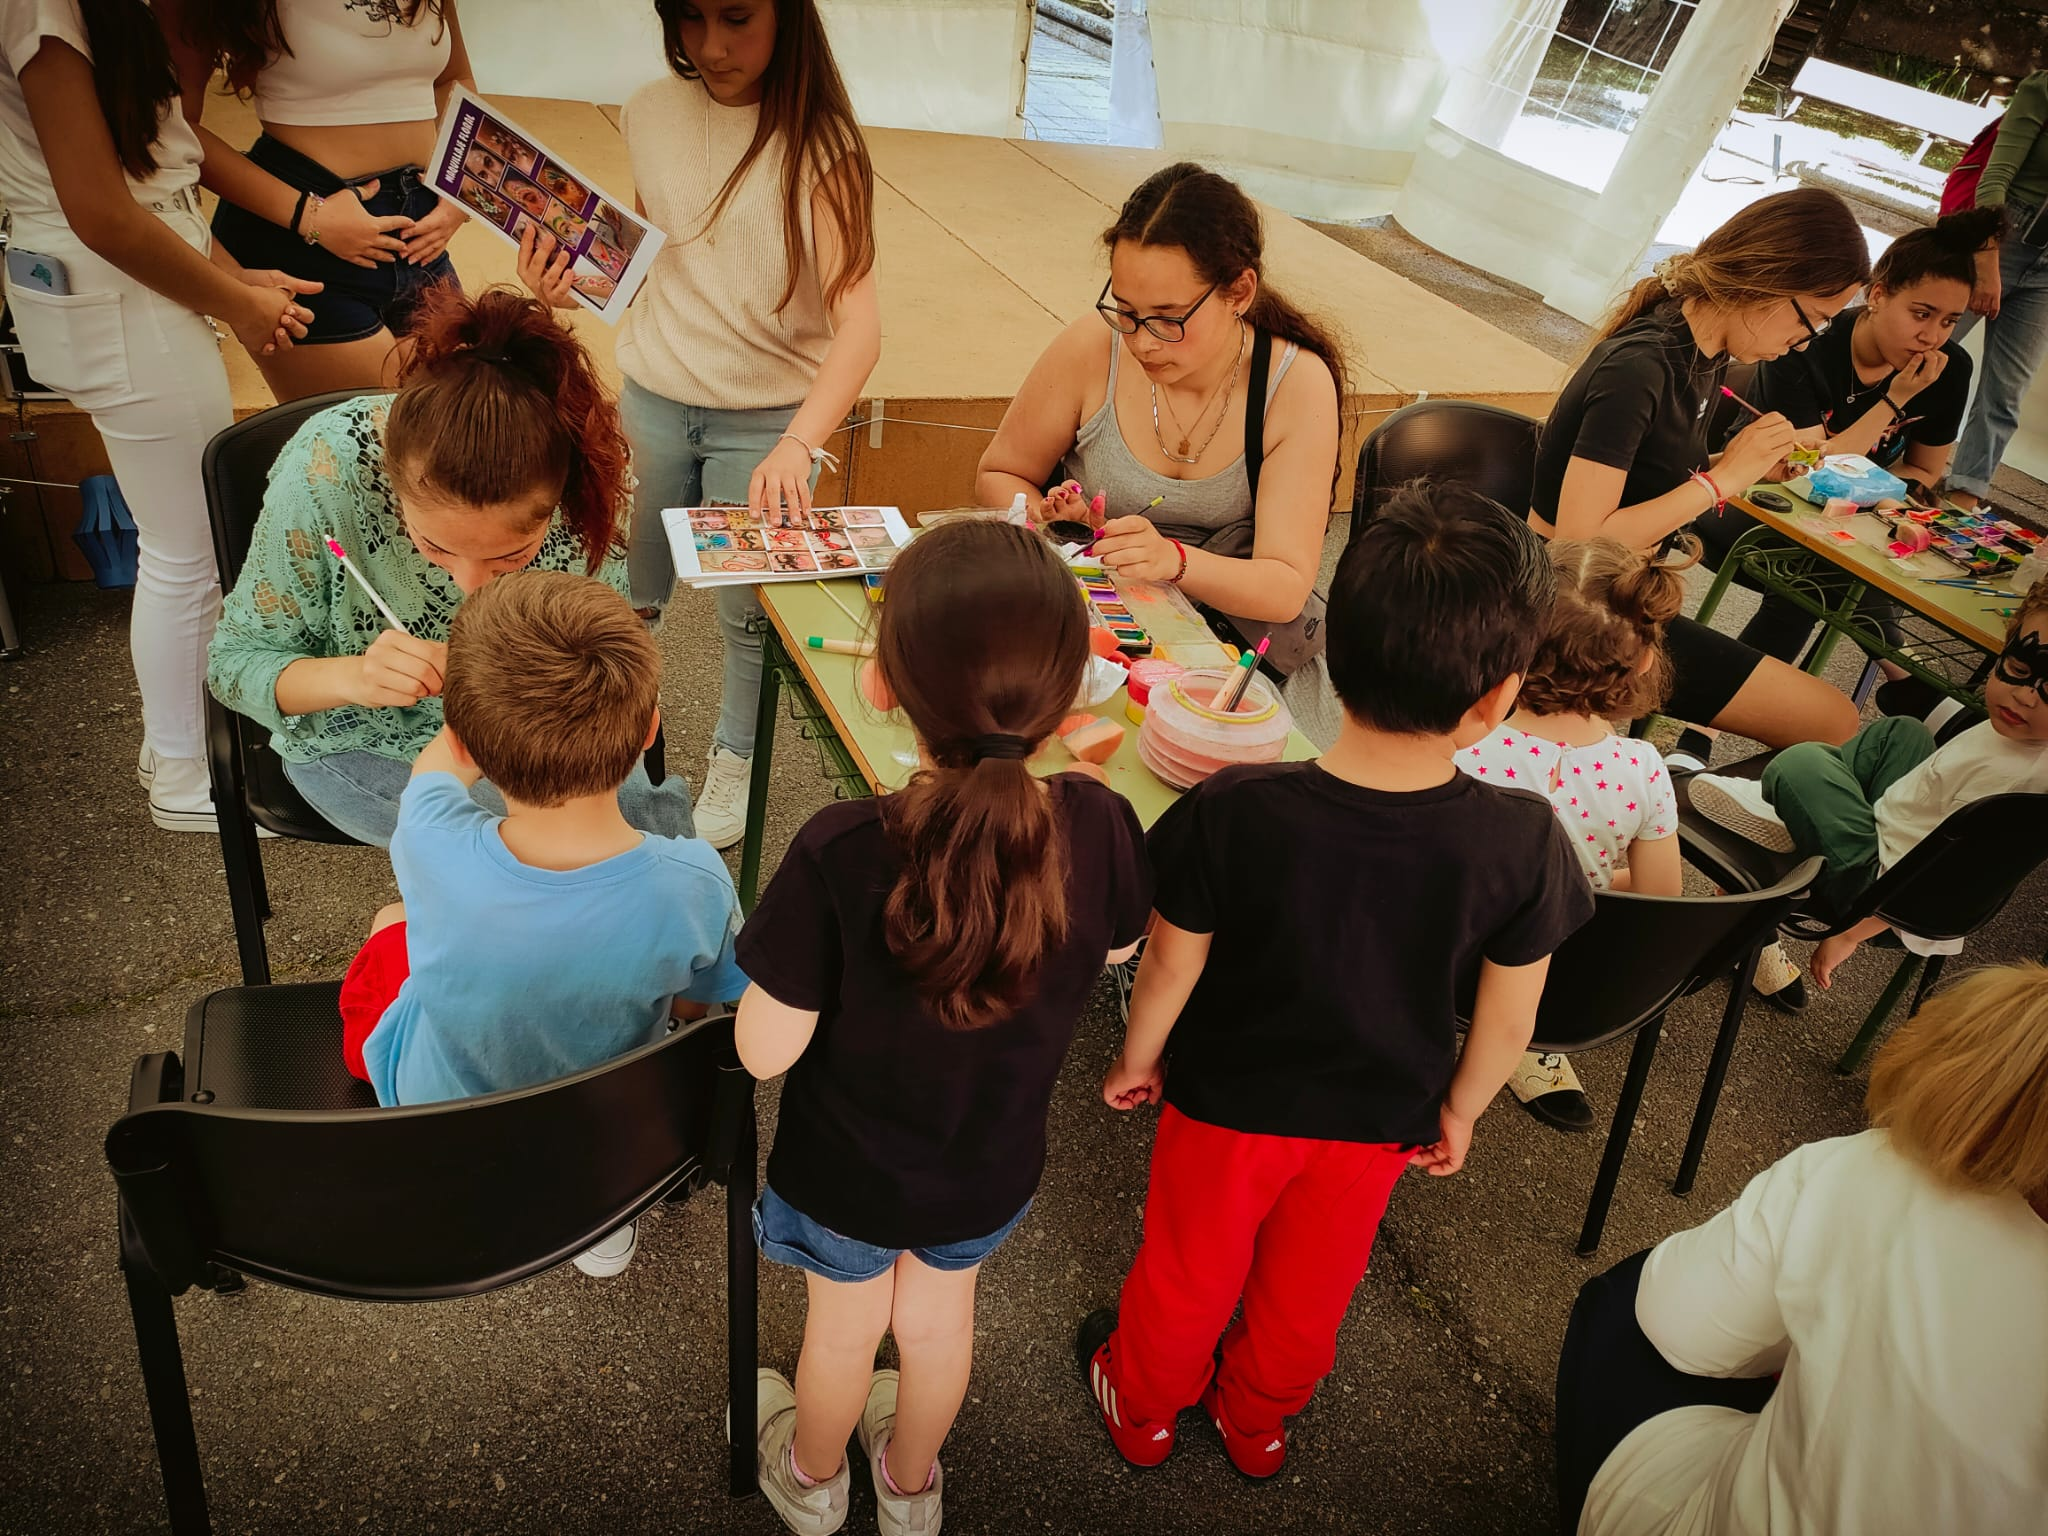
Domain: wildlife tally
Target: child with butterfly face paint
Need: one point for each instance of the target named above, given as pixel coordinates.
(1865, 805)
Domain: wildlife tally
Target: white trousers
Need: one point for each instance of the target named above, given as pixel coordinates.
(150, 375)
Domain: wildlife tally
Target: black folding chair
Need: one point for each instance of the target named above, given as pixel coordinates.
(1957, 880)
(1491, 449)
(1618, 976)
(250, 789)
(259, 1155)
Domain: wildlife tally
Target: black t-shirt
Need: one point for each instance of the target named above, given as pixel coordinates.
(1349, 927)
(1819, 386)
(895, 1130)
(1638, 403)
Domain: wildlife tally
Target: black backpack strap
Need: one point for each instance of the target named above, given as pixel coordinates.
(1255, 409)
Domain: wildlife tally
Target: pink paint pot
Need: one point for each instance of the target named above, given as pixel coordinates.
(1185, 738)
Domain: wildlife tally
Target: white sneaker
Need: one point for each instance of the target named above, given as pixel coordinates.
(611, 1255)
(145, 766)
(180, 794)
(898, 1514)
(721, 808)
(1740, 806)
(818, 1510)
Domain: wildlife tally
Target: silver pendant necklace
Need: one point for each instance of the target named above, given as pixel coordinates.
(1229, 390)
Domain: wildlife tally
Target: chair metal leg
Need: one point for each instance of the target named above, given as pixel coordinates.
(1717, 1069)
(1866, 684)
(1625, 1108)
(1927, 979)
(170, 1407)
(247, 899)
(741, 1303)
(1880, 1013)
(757, 779)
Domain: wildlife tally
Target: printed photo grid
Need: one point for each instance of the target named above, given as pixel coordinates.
(716, 546)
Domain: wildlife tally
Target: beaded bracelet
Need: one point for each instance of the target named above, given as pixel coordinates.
(1713, 490)
(1181, 550)
(314, 203)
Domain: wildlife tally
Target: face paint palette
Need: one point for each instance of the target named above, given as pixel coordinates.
(1108, 610)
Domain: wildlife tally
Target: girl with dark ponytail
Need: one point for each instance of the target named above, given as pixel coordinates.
(918, 965)
(501, 451)
(99, 178)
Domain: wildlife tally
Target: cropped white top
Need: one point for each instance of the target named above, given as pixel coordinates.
(353, 61)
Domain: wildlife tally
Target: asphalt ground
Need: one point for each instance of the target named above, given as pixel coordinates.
(577, 1405)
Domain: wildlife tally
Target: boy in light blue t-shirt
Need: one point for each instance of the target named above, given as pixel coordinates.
(537, 944)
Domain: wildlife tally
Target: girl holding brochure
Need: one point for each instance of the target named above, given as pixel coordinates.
(348, 96)
(758, 324)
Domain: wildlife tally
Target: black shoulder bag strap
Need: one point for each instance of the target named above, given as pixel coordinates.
(1255, 409)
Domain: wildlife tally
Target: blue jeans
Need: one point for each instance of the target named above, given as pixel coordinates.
(358, 792)
(786, 1235)
(357, 302)
(2014, 343)
(694, 456)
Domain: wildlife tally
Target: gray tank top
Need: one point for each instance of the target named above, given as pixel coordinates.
(1193, 510)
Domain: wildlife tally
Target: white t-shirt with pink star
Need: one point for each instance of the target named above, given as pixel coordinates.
(1606, 795)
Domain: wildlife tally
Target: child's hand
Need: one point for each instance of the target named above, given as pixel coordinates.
(1828, 955)
(1126, 1086)
(1448, 1154)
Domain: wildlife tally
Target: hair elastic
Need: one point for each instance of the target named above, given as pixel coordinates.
(490, 356)
(1003, 747)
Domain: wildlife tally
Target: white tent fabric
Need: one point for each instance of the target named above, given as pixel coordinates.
(953, 66)
(1574, 246)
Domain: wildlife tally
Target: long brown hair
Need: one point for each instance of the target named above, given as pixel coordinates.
(1612, 605)
(132, 75)
(1805, 241)
(245, 37)
(983, 636)
(804, 99)
(1209, 217)
(498, 399)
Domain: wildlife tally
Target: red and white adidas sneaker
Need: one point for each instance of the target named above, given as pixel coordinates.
(1140, 1442)
(1258, 1455)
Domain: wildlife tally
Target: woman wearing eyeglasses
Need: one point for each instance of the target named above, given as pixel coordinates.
(1155, 411)
(1624, 452)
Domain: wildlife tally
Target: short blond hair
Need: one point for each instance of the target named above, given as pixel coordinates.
(1963, 1086)
(551, 686)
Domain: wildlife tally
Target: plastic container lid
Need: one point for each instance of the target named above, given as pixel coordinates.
(1148, 673)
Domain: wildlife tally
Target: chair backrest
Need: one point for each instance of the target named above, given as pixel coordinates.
(1963, 871)
(1640, 954)
(437, 1200)
(1491, 449)
(235, 469)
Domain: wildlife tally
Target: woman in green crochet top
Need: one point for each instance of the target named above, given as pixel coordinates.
(500, 451)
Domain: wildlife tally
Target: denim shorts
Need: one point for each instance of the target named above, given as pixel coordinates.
(357, 302)
(786, 1235)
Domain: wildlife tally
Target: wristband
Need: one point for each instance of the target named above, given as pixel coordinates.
(818, 455)
(1181, 550)
(1898, 414)
(314, 203)
(1713, 490)
(298, 212)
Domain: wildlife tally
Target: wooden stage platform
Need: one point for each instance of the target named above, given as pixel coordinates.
(987, 247)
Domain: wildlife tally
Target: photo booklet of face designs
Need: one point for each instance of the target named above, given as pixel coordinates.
(510, 181)
(728, 546)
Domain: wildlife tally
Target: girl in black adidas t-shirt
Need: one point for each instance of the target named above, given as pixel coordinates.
(918, 965)
(1624, 452)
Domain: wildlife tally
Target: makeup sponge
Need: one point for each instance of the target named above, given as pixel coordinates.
(1090, 738)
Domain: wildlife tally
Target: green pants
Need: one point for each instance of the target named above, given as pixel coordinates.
(1827, 798)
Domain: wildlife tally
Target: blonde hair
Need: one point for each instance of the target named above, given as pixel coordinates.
(1963, 1086)
(1612, 605)
(551, 686)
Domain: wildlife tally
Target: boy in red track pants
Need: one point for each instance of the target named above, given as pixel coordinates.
(1320, 929)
